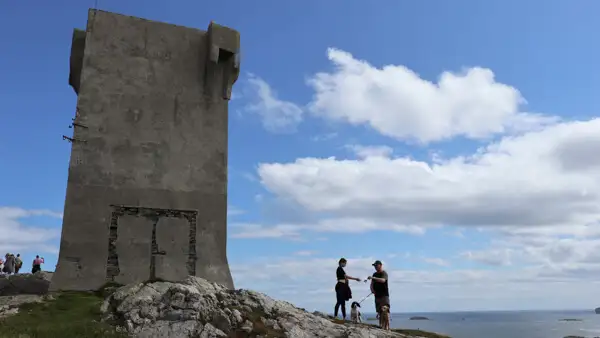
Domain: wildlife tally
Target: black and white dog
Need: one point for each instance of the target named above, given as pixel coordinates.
(355, 313)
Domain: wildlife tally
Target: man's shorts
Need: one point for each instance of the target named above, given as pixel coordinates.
(381, 301)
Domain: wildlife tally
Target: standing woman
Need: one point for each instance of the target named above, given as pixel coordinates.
(342, 289)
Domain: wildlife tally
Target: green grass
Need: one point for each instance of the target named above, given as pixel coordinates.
(70, 315)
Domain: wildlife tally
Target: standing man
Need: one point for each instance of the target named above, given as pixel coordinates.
(18, 263)
(379, 287)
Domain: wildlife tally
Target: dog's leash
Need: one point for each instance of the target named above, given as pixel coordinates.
(365, 297)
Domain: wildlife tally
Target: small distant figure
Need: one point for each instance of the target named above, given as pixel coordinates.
(384, 318)
(18, 263)
(1, 266)
(355, 315)
(9, 264)
(37, 264)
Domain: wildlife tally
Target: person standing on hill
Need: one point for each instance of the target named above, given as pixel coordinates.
(37, 264)
(9, 264)
(18, 263)
(379, 287)
(342, 289)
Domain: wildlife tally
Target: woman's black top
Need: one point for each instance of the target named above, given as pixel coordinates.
(342, 289)
(340, 273)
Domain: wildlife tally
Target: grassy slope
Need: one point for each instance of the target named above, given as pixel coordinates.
(70, 315)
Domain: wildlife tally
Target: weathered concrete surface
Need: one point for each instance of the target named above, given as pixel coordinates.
(76, 60)
(170, 233)
(152, 146)
(134, 243)
(25, 284)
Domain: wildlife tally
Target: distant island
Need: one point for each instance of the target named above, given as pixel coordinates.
(570, 320)
(419, 318)
(597, 310)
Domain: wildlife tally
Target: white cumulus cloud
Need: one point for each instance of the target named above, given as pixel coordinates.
(335, 225)
(541, 178)
(397, 102)
(277, 115)
(534, 189)
(370, 151)
(15, 236)
(306, 281)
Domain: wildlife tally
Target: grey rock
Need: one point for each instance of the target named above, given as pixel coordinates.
(236, 317)
(247, 326)
(208, 331)
(25, 284)
(198, 308)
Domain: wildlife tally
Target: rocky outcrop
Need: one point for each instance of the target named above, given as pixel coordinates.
(25, 284)
(198, 308)
(597, 310)
(16, 290)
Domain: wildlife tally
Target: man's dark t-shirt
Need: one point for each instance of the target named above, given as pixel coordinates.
(381, 289)
(340, 273)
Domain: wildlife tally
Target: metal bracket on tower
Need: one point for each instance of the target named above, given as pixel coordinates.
(73, 140)
(76, 115)
(75, 124)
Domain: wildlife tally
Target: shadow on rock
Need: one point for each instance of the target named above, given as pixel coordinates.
(25, 284)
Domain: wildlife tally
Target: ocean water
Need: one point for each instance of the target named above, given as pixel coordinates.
(501, 324)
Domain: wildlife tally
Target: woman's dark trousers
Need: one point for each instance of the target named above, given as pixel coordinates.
(341, 296)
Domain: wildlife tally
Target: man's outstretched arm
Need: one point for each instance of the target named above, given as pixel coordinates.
(380, 279)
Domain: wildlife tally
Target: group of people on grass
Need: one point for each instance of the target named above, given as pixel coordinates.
(12, 264)
(379, 287)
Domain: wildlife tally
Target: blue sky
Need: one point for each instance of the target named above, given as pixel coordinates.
(452, 140)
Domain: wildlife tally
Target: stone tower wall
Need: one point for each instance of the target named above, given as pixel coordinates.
(147, 188)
